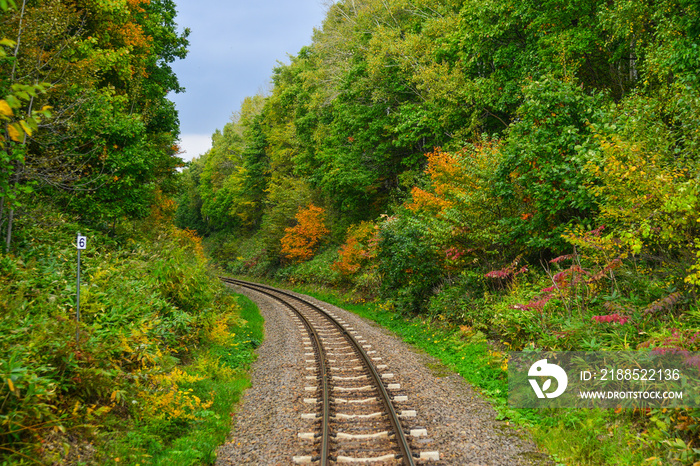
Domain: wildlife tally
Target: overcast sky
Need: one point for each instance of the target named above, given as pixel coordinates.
(234, 45)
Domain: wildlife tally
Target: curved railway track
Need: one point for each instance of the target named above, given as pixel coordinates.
(354, 418)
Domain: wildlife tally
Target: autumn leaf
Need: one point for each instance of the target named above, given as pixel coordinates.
(300, 241)
(5, 109)
(360, 247)
(27, 129)
(15, 134)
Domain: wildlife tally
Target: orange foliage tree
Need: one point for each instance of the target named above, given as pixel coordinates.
(455, 209)
(300, 241)
(359, 248)
(447, 178)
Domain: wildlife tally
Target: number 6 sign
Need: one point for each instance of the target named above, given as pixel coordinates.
(80, 245)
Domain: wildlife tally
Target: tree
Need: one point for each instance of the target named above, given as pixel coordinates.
(112, 132)
(300, 241)
(19, 118)
(542, 169)
(360, 248)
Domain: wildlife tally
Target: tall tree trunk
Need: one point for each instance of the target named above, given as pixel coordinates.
(8, 239)
(19, 165)
(19, 38)
(11, 214)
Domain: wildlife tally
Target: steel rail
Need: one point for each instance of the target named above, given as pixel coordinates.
(406, 456)
(323, 369)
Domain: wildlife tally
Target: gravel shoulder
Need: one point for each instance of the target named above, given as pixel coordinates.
(460, 425)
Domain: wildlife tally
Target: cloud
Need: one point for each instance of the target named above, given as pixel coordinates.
(234, 46)
(194, 145)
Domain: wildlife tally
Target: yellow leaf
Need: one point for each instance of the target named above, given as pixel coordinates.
(25, 127)
(14, 133)
(5, 108)
(12, 386)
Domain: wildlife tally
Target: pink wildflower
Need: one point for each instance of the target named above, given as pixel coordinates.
(611, 318)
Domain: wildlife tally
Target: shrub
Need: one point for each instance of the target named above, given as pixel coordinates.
(318, 269)
(147, 300)
(407, 263)
(542, 169)
(359, 248)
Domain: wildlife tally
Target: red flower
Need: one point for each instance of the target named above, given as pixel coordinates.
(611, 318)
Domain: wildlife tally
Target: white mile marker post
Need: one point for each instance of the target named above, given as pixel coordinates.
(80, 245)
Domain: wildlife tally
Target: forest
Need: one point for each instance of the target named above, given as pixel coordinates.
(526, 171)
(434, 153)
(518, 175)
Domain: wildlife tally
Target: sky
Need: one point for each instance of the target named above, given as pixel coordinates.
(234, 46)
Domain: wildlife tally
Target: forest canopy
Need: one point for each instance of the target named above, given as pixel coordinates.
(495, 129)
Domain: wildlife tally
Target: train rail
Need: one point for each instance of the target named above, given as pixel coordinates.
(354, 417)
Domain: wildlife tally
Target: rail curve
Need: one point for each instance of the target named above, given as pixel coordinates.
(324, 335)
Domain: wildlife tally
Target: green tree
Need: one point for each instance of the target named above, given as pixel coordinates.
(407, 263)
(20, 118)
(542, 169)
(111, 140)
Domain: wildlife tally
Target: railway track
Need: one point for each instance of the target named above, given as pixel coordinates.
(351, 415)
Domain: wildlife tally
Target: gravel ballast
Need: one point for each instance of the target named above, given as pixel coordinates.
(460, 425)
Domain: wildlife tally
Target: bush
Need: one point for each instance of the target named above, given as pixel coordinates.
(407, 263)
(359, 249)
(301, 241)
(147, 301)
(317, 270)
(461, 301)
(542, 169)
